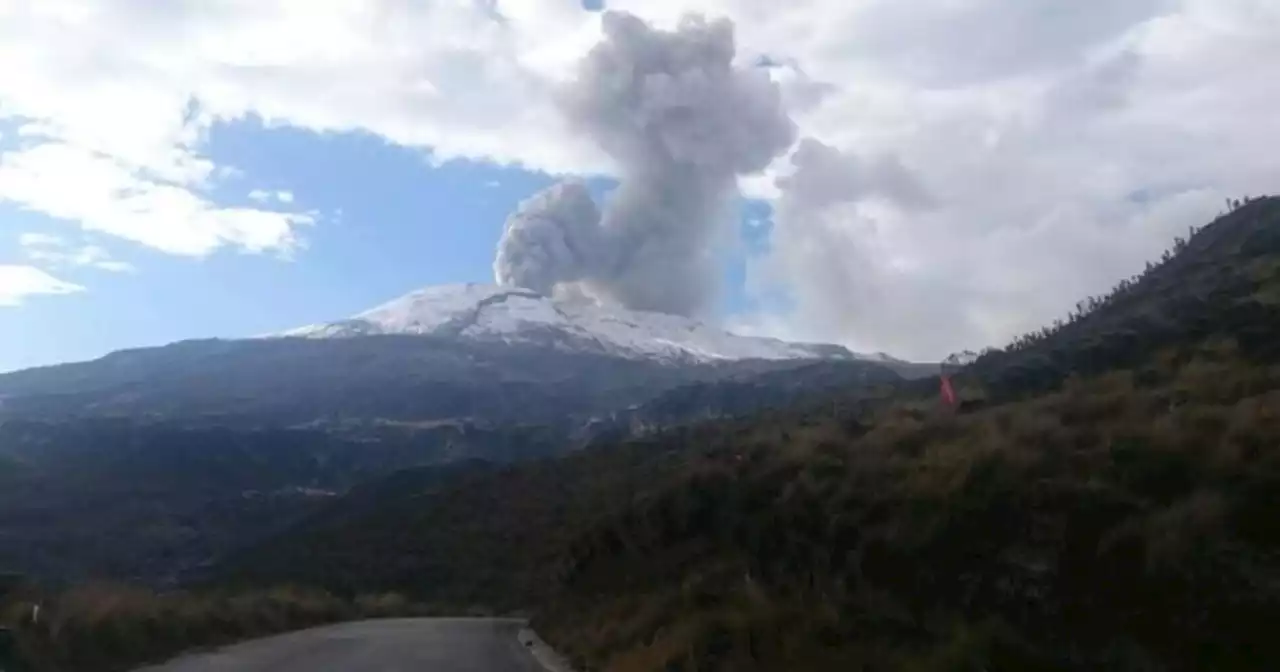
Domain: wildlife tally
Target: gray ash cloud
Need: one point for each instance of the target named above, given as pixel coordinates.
(681, 121)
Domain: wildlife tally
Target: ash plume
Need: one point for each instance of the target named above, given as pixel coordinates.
(682, 122)
(551, 238)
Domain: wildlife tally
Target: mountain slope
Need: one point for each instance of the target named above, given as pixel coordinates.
(489, 313)
(1221, 278)
(286, 381)
(1121, 516)
(457, 352)
(147, 464)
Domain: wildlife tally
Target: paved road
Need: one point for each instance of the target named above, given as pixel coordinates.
(398, 645)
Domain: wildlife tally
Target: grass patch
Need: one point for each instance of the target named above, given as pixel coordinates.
(105, 627)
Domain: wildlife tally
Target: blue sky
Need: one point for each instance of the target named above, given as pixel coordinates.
(389, 221)
(951, 196)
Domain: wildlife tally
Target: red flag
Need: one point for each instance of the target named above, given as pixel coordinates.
(948, 394)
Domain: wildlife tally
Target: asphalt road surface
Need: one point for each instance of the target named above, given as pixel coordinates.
(394, 645)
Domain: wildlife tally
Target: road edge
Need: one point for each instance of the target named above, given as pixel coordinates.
(542, 652)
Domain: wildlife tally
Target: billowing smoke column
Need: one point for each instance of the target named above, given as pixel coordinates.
(552, 238)
(681, 122)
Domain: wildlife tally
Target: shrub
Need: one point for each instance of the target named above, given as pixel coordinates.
(116, 627)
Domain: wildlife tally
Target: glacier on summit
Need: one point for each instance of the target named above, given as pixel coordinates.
(497, 314)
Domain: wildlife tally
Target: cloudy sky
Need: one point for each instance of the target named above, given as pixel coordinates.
(910, 176)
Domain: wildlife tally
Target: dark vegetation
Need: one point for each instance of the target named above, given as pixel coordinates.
(466, 535)
(292, 380)
(154, 502)
(1106, 497)
(1220, 280)
(749, 393)
(1096, 527)
(287, 381)
(148, 465)
(108, 628)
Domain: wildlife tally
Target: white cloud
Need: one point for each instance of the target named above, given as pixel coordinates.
(143, 82)
(32, 239)
(55, 251)
(1061, 143)
(108, 139)
(72, 183)
(115, 266)
(264, 196)
(19, 282)
(1050, 177)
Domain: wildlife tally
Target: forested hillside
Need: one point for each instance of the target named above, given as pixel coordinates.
(1219, 280)
(152, 502)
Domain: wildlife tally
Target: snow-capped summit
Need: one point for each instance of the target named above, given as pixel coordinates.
(490, 313)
